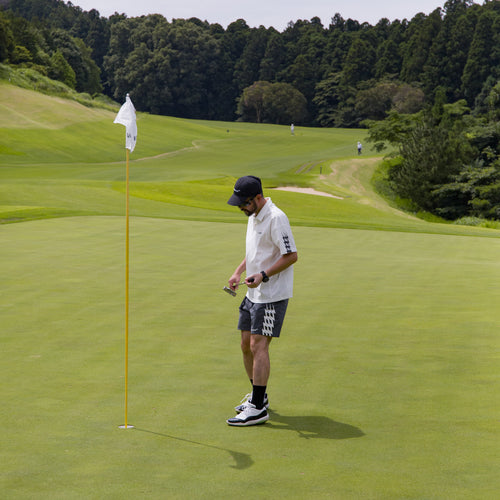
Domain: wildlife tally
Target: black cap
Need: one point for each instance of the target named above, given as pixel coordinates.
(245, 187)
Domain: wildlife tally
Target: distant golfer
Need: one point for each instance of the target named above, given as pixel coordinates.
(270, 255)
(360, 147)
(292, 129)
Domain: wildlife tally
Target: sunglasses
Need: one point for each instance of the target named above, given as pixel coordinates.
(248, 202)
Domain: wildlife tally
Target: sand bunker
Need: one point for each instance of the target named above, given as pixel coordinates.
(307, 191)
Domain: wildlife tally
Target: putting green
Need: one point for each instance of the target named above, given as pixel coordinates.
(383, 384)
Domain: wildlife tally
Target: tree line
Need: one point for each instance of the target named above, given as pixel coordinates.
(447, 158)
(429, 86)
(336, 75)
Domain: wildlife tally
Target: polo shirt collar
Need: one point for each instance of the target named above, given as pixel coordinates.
(264, 210)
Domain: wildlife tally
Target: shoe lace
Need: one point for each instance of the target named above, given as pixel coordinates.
(246, 398)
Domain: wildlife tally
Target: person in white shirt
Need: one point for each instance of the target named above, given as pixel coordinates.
(268, 263)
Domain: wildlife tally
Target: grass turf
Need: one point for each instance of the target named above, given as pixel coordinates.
(383, 385)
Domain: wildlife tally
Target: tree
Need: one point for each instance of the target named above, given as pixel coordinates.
(272, 102)
(30, 37)
(300, 74)
(388, 59)
(199, 72)
(21, 55)
(121, 45)
(274, 58)
(78, 56)
(375, 102)
(475, 190)
(61, 70)
(251, 102)
(90, 78)
(359, 63)
(176, 68)
(235, 38)
(493, 103)
(338, 42)
(431, 156)
(94, 31)
(6, 38)
(393, 131)
(448, 53)
(390, 38)
(284, 104)
(420, 34)
(327, 99)
(248, 66)
(479, 62)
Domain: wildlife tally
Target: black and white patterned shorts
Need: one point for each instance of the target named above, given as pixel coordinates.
(262, 319)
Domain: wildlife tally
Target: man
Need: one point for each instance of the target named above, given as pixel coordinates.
(268, 263)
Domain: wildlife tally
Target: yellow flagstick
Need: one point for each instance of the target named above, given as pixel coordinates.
(127, 253)
(126, 116)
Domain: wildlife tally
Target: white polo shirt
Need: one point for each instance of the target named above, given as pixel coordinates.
(268, 237)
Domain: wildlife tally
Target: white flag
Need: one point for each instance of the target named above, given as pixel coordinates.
(126, 116)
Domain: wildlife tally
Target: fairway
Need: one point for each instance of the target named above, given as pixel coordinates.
(384, 384)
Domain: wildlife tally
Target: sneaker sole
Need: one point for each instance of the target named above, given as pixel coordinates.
(240, 423)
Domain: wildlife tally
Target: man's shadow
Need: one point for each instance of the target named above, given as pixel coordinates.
(313, 426)
(241, 460)
(306, 426)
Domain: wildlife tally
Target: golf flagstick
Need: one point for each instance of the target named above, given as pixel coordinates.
(126, 116)
(127, 258)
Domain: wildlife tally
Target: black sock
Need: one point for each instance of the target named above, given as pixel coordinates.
(258, 394)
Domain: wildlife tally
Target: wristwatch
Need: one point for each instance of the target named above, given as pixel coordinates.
(265, 277)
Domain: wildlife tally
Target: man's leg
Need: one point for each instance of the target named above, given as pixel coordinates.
(247, 353)
(248, 361)
(254, 412)
(266, 318)
(261, 368)
(259, 346)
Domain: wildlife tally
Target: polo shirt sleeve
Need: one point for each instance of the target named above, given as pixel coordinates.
(282, 234)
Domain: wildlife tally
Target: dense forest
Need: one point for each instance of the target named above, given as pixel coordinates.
(338, 75)
(429, 86)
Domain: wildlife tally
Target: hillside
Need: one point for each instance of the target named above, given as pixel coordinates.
(61, 158)
(25, 109)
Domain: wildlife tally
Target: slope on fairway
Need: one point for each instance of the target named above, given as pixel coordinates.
(63, 159)
(25, 109)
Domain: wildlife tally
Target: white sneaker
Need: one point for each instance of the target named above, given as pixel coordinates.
(249, 416)
(246, 399)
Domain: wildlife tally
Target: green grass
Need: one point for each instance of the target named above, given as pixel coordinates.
(383, 385)
(384, 382)
(72, 163)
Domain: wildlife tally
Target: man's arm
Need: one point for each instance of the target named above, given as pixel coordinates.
(236, 277)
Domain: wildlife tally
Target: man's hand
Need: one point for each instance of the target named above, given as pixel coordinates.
(254, 280)
(234, 281)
